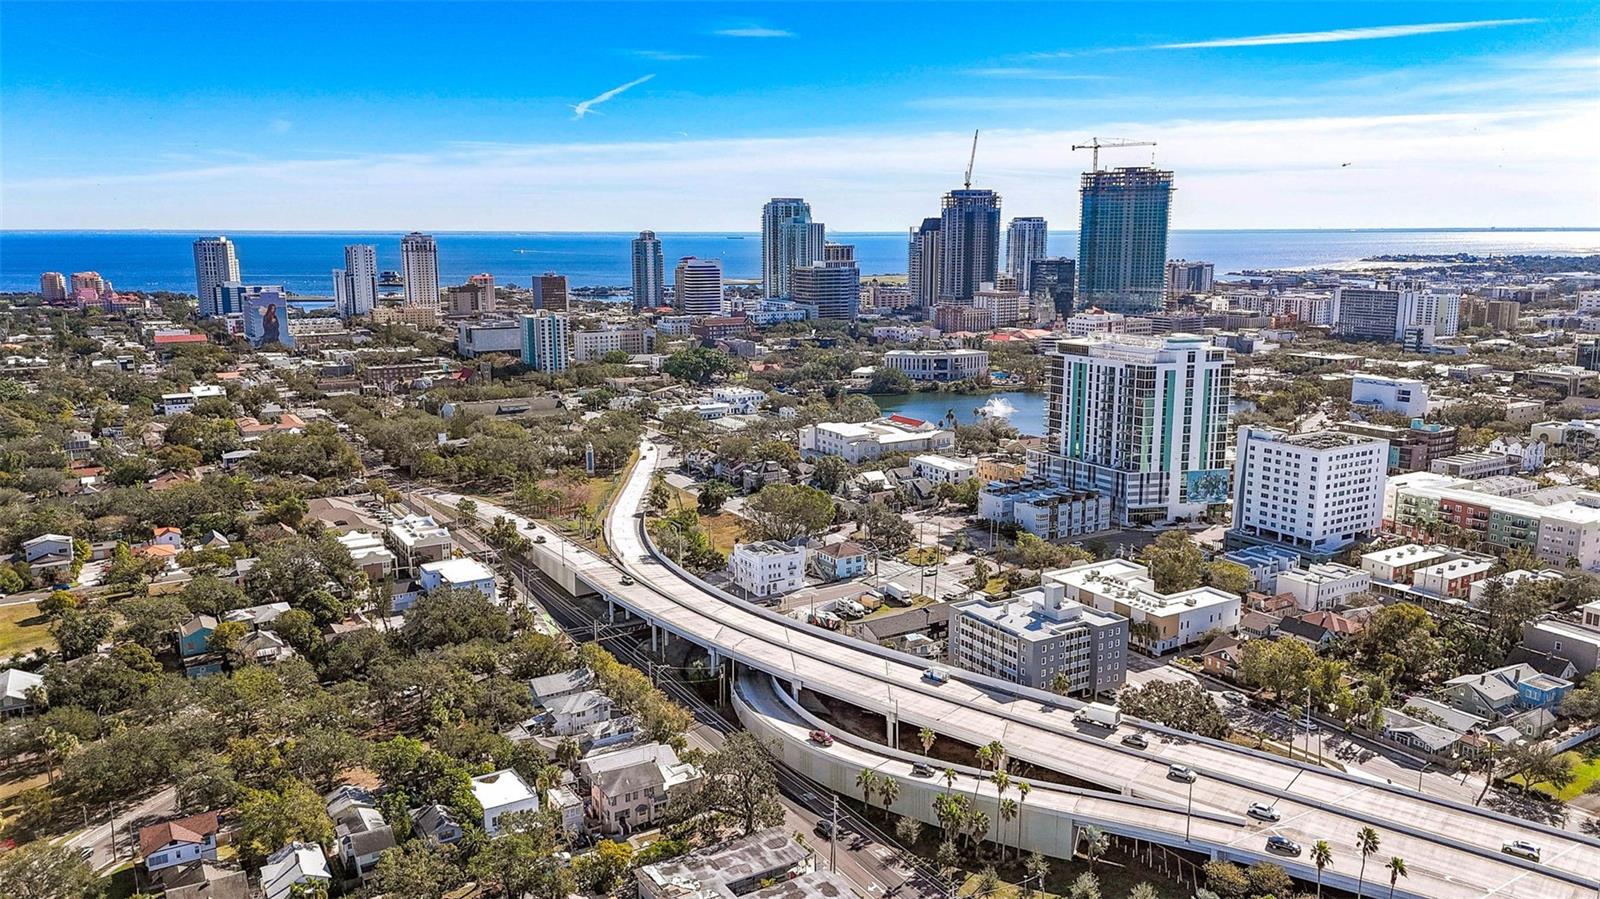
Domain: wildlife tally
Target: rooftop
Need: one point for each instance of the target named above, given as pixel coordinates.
(500, 788)
(459, 570)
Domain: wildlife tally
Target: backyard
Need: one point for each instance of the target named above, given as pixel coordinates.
(22, 629)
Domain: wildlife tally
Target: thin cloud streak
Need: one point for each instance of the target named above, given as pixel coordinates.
(753, 31)
(579, 110)
(1027, 74)
(1339, 35)
(665, 55)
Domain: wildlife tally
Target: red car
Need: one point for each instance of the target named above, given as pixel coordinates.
(822, 738)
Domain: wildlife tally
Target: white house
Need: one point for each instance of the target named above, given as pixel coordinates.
(179, 842)
(464, 574)
(15, 685)
(1407, 396)
(501, 793)
(1322, 586)
(856, 443)
(767, 568)
(573, 713)
(293, 864)
(743, 400)
(48, 547)
(942, 469)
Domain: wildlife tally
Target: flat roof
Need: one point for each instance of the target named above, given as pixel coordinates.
(459, 571)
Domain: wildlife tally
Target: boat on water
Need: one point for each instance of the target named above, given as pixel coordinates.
(390, 279)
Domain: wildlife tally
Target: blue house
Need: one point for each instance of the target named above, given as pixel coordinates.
(840, 561)
(194, 636)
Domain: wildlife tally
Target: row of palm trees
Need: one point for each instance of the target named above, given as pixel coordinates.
(1367, 843)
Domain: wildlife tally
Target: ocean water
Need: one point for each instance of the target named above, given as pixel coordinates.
(302, 261)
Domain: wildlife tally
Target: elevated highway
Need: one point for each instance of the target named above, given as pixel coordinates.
(1451, 850)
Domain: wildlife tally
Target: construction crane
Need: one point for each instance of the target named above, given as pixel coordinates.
(1096, 143)
(970, 160)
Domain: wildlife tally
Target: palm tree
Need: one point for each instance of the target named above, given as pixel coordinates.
(1095, 844)
(1321, 856)
(1022, 798)
(1061, 684)
(1008, 813)
(1367, 843)
(866, 782)
(985, 755)
(926, 736)
(1002, 782)
(888, 792)
(997, 755)
(949, 780)
(1397, 870)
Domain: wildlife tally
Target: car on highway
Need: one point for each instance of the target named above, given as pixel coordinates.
(538, 538)
(1263, 812)
(1182, 772)
(1137, 741)
(628, 581)
(821, 738)
(824, 828)
(1282, 845)
(921, 770)
(1233, 696)
(1521, 849)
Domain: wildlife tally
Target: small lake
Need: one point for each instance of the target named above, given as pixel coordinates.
(1024, 409)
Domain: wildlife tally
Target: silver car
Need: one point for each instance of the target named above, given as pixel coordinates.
(1263, 812)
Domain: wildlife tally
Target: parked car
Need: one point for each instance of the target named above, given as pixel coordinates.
(1137, 741)
(824, 828)
(1183, 773)
(921, 770)
(1521, 849)
(1263, 812)
(1282, 845)
(821, 738)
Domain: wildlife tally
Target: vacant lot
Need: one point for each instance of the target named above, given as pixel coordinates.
(22, 629)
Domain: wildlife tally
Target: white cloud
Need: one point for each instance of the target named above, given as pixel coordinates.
(1529, 166)
(579, 110)
(665, 55)
(1338, 35)
(1033, 74)
(754, 31)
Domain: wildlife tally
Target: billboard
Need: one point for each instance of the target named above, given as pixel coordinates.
(266, 319)
(1211, 486)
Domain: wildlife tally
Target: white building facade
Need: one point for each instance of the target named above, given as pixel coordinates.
(767, 568)
(419, 265)
(1315, 493)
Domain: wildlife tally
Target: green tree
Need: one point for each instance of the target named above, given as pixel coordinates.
(1174, 561)
(698, 365)
(831, 474)
(521, 862)
(39, 870)
(1226, 879)
(712, 495)
(1229, 576)
(417, 870)
(1268, 879)
(270, 818)
(1322, 857)
(1185, 706)
(1397, 870)
(1085, 886)
(601, 871)
(80, 633)
(1283, 666)
(889, 532)
(739, 784)
(151, 621)
(789, 511)
(448, 615)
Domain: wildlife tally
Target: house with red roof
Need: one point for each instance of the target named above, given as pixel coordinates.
(179, 842)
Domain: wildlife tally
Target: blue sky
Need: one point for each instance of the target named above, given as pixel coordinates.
(588, 116)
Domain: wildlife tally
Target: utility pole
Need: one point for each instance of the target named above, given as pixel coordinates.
(1188, 819)
(833, 837)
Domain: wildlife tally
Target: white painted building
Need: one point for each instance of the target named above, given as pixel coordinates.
(1037, 636)
(461, 573)
(1322, 586)
(1047, 511)
(1407, 396)
(419, 265)
(590, 346)
(741, 400)
(939, 365)
(546, 337)
(1316, 493)
(942, 469)
(502, 793)
(767, 567)
(1160, 622)
(477, 338)
(856, 443)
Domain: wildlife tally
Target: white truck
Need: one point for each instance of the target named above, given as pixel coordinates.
(1103, 714)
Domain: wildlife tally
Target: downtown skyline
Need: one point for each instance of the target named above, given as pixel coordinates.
(1288, 116)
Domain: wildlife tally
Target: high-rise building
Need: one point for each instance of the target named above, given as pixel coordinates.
(922, 263)
(649, 283)
(789, 240)
(1122, 239)
(1502, 315)
(53, 287)
(550, 292)
(969, 242)
(1185, 277)
(1027, 239)
(419, 266)
(1143, 420)
(697, 286)
(832, 287)
(545, 338)
(1315, 493)
(215, 264)
(355, 287)
(1447, 312)
(1381, 314)
(1589, 354)
(476, 297)
(91, 282)
(1052, 282)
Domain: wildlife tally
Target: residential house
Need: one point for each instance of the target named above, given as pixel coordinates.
(194, 636)
(551, 686)
(735, 867)
(172, 537)
(502, 793)
(629, 789)
(17, 691)
(572, 713)
(359, 830)
(840, 561)
(296, 863)
(1575, 638)
(264, 647)
(1503, 692)
(370, 554)
(203, 880)
(1222, 656)
(767, 567)
(48, 552)
(435, 824)
(416, 539)
(257, 616)
(179, 841)
(460, 573)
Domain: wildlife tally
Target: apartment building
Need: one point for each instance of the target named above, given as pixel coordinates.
(1039, 637)
(1159, 622)
(590, 346)
(856, 443)
(1323, 585)
(1412, 448)
(1044, 509)
(767, 568)
(939, 365)
(1560, 525)
(942, 469)
(416, 539)
(1407, 396)
(1315, 493)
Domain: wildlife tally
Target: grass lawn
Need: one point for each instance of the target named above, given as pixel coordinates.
(924, 556)
(724, 528)
(21, 629)
(1115, 881)
(1587, 771)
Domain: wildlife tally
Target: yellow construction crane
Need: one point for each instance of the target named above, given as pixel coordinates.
(1096, 143)
(971, 159)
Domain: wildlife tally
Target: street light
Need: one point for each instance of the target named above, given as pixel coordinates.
(1188, 820)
